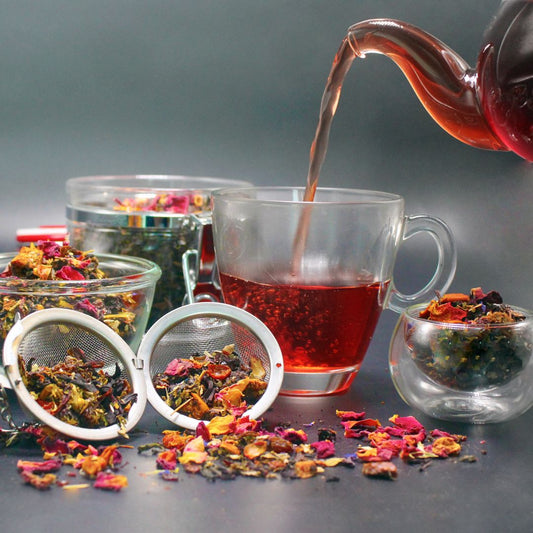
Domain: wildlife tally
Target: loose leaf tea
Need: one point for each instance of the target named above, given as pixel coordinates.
(79, 391)
(228, 447)
(485, 352)
(48, 261)
(164, 243)
(166, 203)
(211, 384)
(476, 308)
(99, 466)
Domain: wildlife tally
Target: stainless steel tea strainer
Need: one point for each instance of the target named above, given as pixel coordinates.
(44, 337)
(206, 327)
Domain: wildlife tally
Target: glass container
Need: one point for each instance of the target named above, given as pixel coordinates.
(474, 373)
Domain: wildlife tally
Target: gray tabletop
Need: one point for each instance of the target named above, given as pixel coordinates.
(491, 494)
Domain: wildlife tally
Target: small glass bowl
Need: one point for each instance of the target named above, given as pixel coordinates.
(475, 373)
(122, 300)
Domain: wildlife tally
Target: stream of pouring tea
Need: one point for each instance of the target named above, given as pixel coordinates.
(328, 106)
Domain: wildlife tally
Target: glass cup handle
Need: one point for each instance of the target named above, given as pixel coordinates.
(446, 261)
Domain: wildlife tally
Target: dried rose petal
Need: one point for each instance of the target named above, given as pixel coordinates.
(350, 415)
(445, 446)
(221, 425)
(436, 433)
(87, 307)
(229, 447)
(69, 273)
(255, 449)
(296, 436)
(324, 448)
(443, 313)
(454, 297)
(179, 367)
(49, 249)
(305, 469)
(244, 424)
(366, 453)
(39, 467)
(39, 482)
(111, 455)
(175, 439)
(109, 481)
(93, 465)
(177, 204)
(381, 469)
(194, 452)
(202, 431)
(409, 424)
(195, 457)
(167, 460)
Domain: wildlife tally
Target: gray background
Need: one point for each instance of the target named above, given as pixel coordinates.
(232, 89)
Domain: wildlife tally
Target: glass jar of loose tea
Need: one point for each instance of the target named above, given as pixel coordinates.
(156, 217)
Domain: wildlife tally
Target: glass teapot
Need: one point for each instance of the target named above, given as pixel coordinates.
(488, 107)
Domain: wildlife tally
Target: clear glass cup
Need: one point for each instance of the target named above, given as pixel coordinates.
(318, 274)
(474, 373)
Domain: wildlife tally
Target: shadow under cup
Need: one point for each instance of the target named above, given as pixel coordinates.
(318, 274)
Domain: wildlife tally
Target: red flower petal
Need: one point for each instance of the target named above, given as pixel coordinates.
(69, 273)
(108, 481)
(39, 467)
(179, 367)
(324, 448)
(350, 415)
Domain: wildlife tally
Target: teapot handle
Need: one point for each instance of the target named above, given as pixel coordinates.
(446, 261)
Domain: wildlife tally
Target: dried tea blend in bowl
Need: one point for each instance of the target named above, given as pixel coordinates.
(117, 290)
(465, 357)
(474, 343)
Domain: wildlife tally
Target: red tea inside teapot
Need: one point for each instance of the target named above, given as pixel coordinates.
(489, 107)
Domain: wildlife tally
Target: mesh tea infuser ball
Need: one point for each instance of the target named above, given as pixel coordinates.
(206, 327)
(74, 374)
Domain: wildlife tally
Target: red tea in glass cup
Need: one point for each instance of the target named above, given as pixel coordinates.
(312, 327)
(319, 273)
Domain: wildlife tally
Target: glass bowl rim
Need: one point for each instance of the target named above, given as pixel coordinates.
(150, 274)
(368, 197)
(137, 183)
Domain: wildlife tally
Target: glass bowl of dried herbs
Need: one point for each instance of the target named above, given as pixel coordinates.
(158, 217)
(117, 290)
(465, 357)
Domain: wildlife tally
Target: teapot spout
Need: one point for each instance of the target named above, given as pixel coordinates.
(443, 81)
